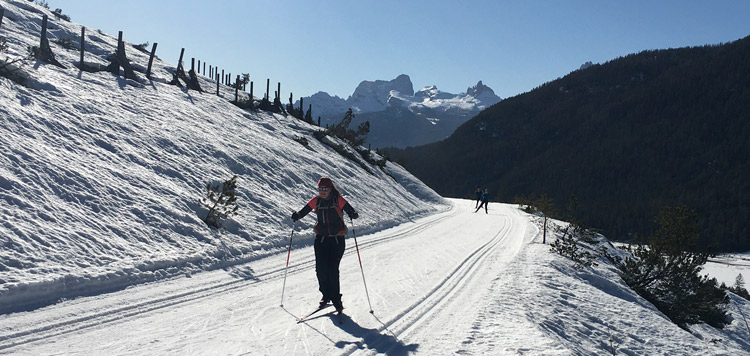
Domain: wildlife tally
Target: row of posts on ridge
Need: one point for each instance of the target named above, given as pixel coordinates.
(119, 59)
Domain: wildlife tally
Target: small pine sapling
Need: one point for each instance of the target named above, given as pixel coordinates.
(568, 246)
(10, 67)
(739, 287)
(221, 201)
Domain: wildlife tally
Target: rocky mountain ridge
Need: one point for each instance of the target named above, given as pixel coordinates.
(399, 116)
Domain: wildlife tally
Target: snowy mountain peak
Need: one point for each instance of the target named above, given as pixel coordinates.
(479, 89)
(371, 96)
(432, 93)
(437, 111)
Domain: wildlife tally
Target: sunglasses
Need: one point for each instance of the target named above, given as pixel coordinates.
(323, 189)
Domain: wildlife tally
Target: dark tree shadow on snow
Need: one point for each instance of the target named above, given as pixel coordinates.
(372, 339)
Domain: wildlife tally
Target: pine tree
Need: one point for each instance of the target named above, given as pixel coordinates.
(221, 201)
(739, 287)
(739, 282)
(342, 131)
(666, 272)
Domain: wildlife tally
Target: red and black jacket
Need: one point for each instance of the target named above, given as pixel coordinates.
(330, 214)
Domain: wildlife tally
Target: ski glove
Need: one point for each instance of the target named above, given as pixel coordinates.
(354, 215)
(295, 216)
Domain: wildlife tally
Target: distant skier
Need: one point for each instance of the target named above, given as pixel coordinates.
(477, 197)
(485, 201)
(329, 245)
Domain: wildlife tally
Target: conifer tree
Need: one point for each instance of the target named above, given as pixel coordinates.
(666, 271)
(354, 137)
(221, 201)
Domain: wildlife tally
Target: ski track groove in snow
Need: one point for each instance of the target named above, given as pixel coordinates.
(123, 312)
(418, 313)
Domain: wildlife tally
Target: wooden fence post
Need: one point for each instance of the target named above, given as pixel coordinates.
(222, 77)
(251, 92)
(44, 32)
(45, 52)
(210, 71)
(268, 87)
(116, 70)
(199, 66)
(182, 53)
(2, 13)
(237, 90)
(217, 81)
(279, 92)
(204, 68)
(120, 49)
(151, 60)
(192, 64)
(83, 37)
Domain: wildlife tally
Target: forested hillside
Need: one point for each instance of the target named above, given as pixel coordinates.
(653, 129)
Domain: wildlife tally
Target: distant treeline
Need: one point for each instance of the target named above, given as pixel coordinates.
(626, 138)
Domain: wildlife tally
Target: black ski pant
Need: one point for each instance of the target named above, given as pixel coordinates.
(485, 204)
(328, 253)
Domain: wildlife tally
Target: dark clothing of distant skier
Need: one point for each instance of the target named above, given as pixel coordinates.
(477, 197)
(485, 201)
(329, 245)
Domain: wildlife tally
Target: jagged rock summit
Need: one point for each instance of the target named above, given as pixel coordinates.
(373, 96)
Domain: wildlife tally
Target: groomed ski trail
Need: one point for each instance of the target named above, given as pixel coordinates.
(422, 277)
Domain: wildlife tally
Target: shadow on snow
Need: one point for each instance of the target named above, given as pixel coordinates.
(371, 339)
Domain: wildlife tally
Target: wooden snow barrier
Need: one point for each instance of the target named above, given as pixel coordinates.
(45, 52)
(251, 91)
(120, 60)
(237, 90)
(81, 64)
(83, 39)
(179, 72)
(151, 60)
(193, 82)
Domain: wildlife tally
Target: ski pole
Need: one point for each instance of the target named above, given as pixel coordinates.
(286, 269)
(360, 265)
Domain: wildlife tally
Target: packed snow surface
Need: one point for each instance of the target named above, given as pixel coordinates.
(455, 282)
(104, 251)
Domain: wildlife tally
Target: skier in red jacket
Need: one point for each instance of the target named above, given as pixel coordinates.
(330, 229)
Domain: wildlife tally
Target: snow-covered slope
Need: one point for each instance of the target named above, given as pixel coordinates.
(100, 176)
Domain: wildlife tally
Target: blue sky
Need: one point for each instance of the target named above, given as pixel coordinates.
(331, 46)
